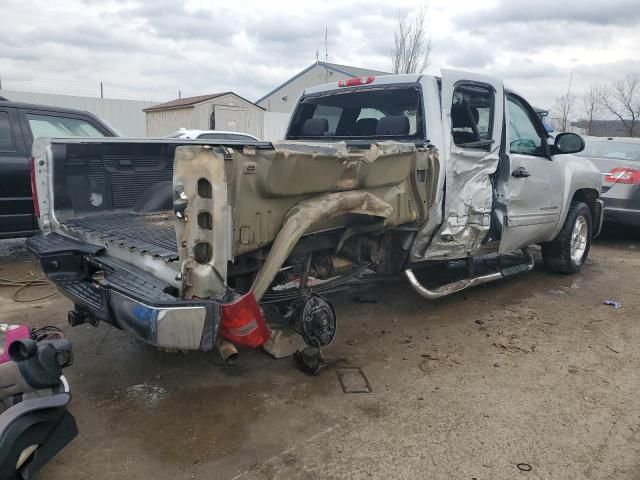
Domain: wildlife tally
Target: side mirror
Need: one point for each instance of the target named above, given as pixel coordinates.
(568, 143)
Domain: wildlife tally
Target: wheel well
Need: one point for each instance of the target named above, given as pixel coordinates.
(588, 196)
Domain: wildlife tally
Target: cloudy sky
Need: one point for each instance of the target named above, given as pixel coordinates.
(150, 49)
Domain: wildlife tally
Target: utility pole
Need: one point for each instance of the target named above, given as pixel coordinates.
(326, 56)
(101, 91)
(0, 82)
(179, 94)
(326, 49)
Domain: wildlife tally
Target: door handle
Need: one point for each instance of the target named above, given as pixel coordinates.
(520, 172)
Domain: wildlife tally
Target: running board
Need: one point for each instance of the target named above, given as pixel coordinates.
(449, 288)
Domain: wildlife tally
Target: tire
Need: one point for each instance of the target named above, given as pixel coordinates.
(557, 254)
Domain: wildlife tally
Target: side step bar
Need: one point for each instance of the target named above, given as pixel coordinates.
(453, 287)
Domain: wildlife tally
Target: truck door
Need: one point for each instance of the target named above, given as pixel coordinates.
(472, 117)
(532, 185)
(16, 205)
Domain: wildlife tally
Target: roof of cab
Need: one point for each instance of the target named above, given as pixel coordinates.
(378, 80)
(38, 106)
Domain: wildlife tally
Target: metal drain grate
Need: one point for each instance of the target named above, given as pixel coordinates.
(353, 380)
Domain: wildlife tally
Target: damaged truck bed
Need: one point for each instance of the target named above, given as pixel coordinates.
(179, 241)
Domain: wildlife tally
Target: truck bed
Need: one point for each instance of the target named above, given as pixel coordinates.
(152, 233)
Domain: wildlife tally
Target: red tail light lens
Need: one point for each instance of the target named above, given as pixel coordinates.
(354, 82)
(629, 176)
(242, 322)
(34, 191)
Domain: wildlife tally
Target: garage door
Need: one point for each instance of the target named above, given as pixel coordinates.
(233, 119)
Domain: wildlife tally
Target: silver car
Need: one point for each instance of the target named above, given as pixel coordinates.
(618, 158)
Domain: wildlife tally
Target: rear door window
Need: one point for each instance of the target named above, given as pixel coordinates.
(393, 112)
(213, 136)
(610, 149)
(226, 136)
(472, 116)
(57, 126)
(244, 138)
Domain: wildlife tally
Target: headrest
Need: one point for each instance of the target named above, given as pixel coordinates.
(462, 116)
(315, 127)
(365, 126)
(393, 125)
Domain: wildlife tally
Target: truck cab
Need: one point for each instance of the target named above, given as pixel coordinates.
(506, 186)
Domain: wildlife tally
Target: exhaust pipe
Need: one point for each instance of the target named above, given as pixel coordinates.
(453, 287)
(227, 350)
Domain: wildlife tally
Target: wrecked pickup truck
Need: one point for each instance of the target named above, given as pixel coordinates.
(183, 242)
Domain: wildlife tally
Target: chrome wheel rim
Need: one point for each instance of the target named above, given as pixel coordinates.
(579, 239)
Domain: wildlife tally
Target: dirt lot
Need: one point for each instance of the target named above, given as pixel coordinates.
(534, 370)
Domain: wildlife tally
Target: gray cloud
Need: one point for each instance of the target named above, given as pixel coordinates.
(592, 12)
(152, 49)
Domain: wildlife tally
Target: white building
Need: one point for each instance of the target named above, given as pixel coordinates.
(217, 111)
(124, 116)
(283, 98)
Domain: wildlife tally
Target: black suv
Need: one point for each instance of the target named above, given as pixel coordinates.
(20, 123)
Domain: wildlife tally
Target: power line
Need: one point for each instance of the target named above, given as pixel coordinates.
(88, 89)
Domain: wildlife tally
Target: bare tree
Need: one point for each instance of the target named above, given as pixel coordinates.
(622, 99)
(592, 104)
(564, 105)
(412, 44)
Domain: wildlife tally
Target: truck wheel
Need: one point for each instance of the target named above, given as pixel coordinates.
(568, 252)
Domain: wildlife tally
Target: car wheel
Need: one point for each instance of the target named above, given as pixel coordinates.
(568, 252)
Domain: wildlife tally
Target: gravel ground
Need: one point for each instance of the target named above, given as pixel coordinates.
(535, 370)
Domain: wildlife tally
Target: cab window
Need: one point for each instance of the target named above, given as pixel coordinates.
(393, 112)
(523, 136)
(472, 116)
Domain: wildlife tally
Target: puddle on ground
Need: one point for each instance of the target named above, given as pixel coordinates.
(184, 426)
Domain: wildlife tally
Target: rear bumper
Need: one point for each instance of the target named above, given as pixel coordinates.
(627, 216)
(622, 204)
(625, 211)
(103, 288)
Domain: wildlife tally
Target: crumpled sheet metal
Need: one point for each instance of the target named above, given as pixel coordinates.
(340, 148)
(306, 214)
(191, 164)
(467, 212)
(314, 168)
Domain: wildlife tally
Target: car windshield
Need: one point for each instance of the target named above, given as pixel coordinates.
(370, 112)
(610, 149)
(55, 126)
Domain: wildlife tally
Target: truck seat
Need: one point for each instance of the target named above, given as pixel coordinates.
(393, 125)
(315, 127)
(365, 127)
(464, 123)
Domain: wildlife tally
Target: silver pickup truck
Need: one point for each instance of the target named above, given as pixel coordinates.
(183, 242)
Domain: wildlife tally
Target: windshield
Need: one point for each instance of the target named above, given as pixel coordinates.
(610, 149)
(388, 112)
(54, 126)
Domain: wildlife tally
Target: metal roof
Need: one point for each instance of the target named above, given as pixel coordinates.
(343, 69)
(190, 101)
